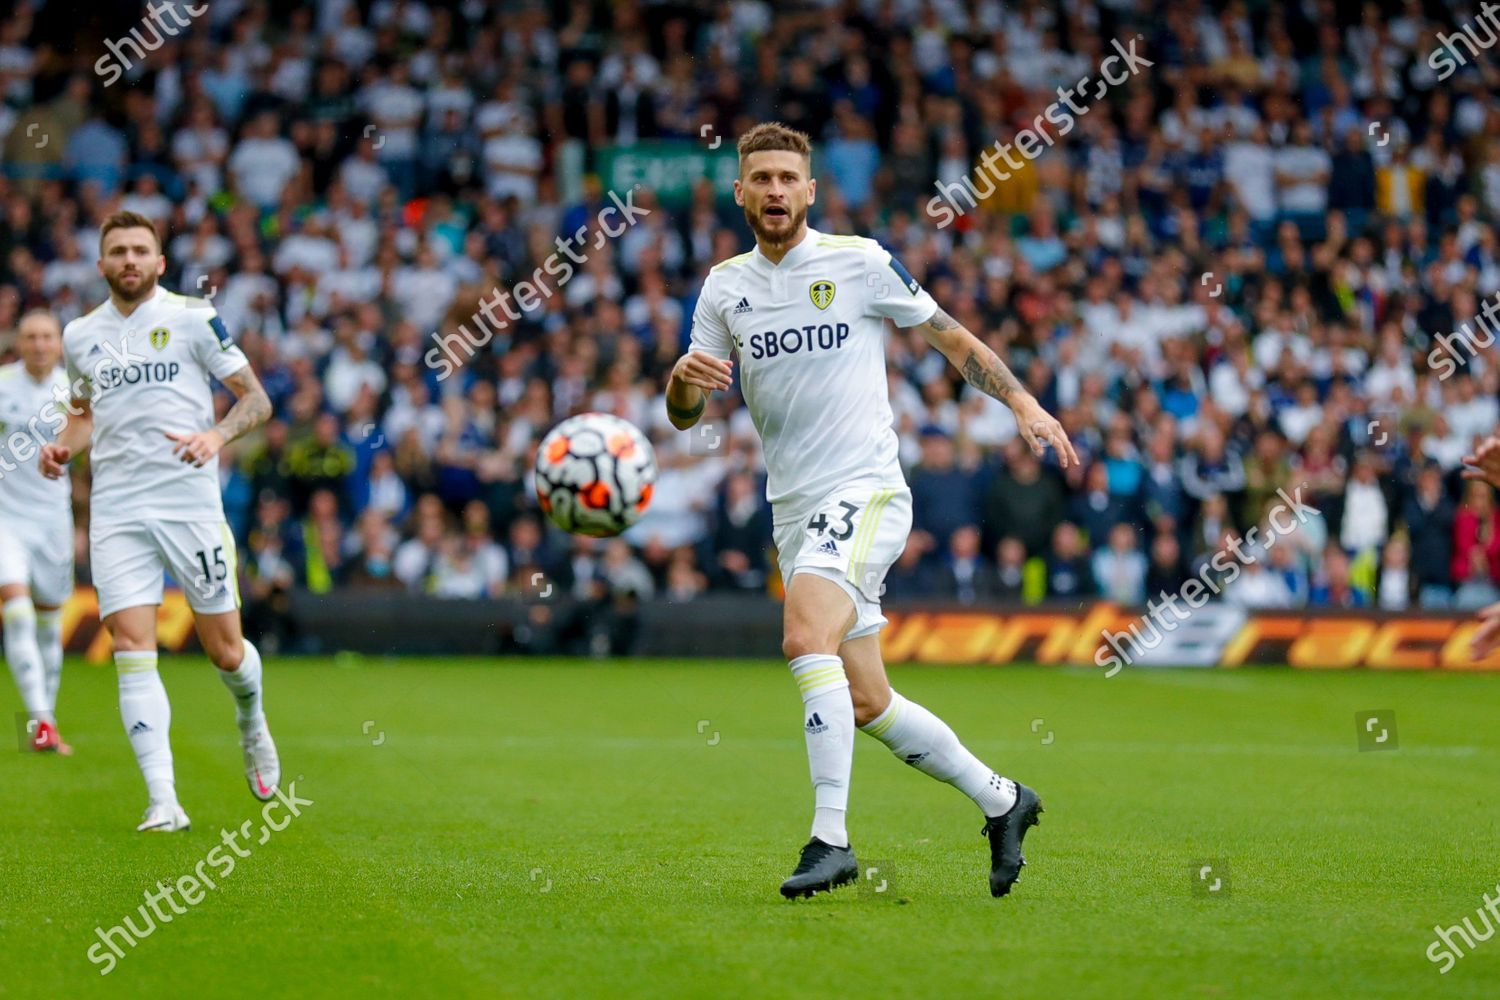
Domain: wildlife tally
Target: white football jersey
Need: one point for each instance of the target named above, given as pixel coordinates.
(146, 374)
(30, 416)
(810, 336)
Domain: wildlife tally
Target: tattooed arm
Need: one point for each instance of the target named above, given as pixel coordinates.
(983, 369)
(251, 408)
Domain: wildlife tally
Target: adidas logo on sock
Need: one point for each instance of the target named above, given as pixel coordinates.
(916, 758)
(139, 727)
(828, 548)
(816, 725)
(743, 307)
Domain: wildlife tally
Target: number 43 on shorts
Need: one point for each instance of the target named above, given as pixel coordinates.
(843, 522)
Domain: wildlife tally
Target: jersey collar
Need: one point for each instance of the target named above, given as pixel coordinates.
(156, 295)
(794, 256)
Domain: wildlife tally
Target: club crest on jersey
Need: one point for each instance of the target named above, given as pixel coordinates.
(160, 336)
(822, 293)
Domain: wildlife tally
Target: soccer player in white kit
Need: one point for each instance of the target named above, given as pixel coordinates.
(36, 525)
(139, 369)
(804, 311)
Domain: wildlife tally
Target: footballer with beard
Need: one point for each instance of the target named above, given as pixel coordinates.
(804, 315)
(139, 369)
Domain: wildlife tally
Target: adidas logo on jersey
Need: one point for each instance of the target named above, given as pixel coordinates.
(815, 725)
(828, 548)
(743, 307)
(139, 727)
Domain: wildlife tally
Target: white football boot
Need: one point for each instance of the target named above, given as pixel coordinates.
(262, 765)
(164, 817)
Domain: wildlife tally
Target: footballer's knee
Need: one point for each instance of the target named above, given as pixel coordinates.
(807, 640)
(868, 704)
(225, 652)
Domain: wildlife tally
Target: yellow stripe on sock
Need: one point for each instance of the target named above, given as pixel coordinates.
(125, 663)
(879, 727)
(818, 679)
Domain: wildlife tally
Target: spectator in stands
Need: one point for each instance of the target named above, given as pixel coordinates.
(1120, 570)
(1069, 575)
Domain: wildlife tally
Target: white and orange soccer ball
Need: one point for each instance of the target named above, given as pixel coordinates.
(594, 474)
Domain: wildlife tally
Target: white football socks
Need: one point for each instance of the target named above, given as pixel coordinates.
(244, 684)
(49, 640)
(148, 719)
(828, 725)
(25, 657)
(927, 743)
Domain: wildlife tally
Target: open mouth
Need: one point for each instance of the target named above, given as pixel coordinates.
(777, 212)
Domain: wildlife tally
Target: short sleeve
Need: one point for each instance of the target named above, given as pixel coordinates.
(894, 294)
(709, 334)
(212, 346)
(80, 382)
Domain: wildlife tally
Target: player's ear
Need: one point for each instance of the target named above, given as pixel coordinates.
(812, 190)
(739, 194)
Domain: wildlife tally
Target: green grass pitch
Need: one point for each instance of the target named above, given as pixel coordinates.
(565, 829)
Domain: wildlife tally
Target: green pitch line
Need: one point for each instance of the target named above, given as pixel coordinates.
(565, 829)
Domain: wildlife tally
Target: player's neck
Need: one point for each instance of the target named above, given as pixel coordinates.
(127, 306)
(774, 252)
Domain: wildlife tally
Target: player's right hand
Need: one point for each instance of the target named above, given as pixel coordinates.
(1487, 636)
(54, 460)
(703, 370)
(1486, 459)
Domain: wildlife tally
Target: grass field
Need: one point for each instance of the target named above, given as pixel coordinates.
(569, 829)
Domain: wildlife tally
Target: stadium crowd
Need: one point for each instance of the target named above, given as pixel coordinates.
(1226, 276)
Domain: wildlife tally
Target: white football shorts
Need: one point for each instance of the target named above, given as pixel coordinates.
(41, 557)
(854, 535)
(129, 559)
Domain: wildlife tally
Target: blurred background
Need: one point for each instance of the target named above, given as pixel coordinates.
(1228, 277)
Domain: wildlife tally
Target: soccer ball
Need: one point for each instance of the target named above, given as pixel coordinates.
(594, 474)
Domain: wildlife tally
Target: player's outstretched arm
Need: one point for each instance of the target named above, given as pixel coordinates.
(71, 440)
(252, 407)
(695, 375)
(983, 369)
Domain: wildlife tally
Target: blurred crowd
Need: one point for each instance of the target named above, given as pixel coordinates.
(1227, 278)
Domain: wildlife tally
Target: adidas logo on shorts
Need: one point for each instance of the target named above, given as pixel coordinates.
(828, 548)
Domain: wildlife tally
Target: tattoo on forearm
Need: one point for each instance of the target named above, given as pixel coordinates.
(987, 373)
(942, 321)
(250, 410)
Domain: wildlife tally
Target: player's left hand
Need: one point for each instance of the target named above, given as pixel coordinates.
(1040, 428)
(1486, 459)
(197, 448)
(1487, 635)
